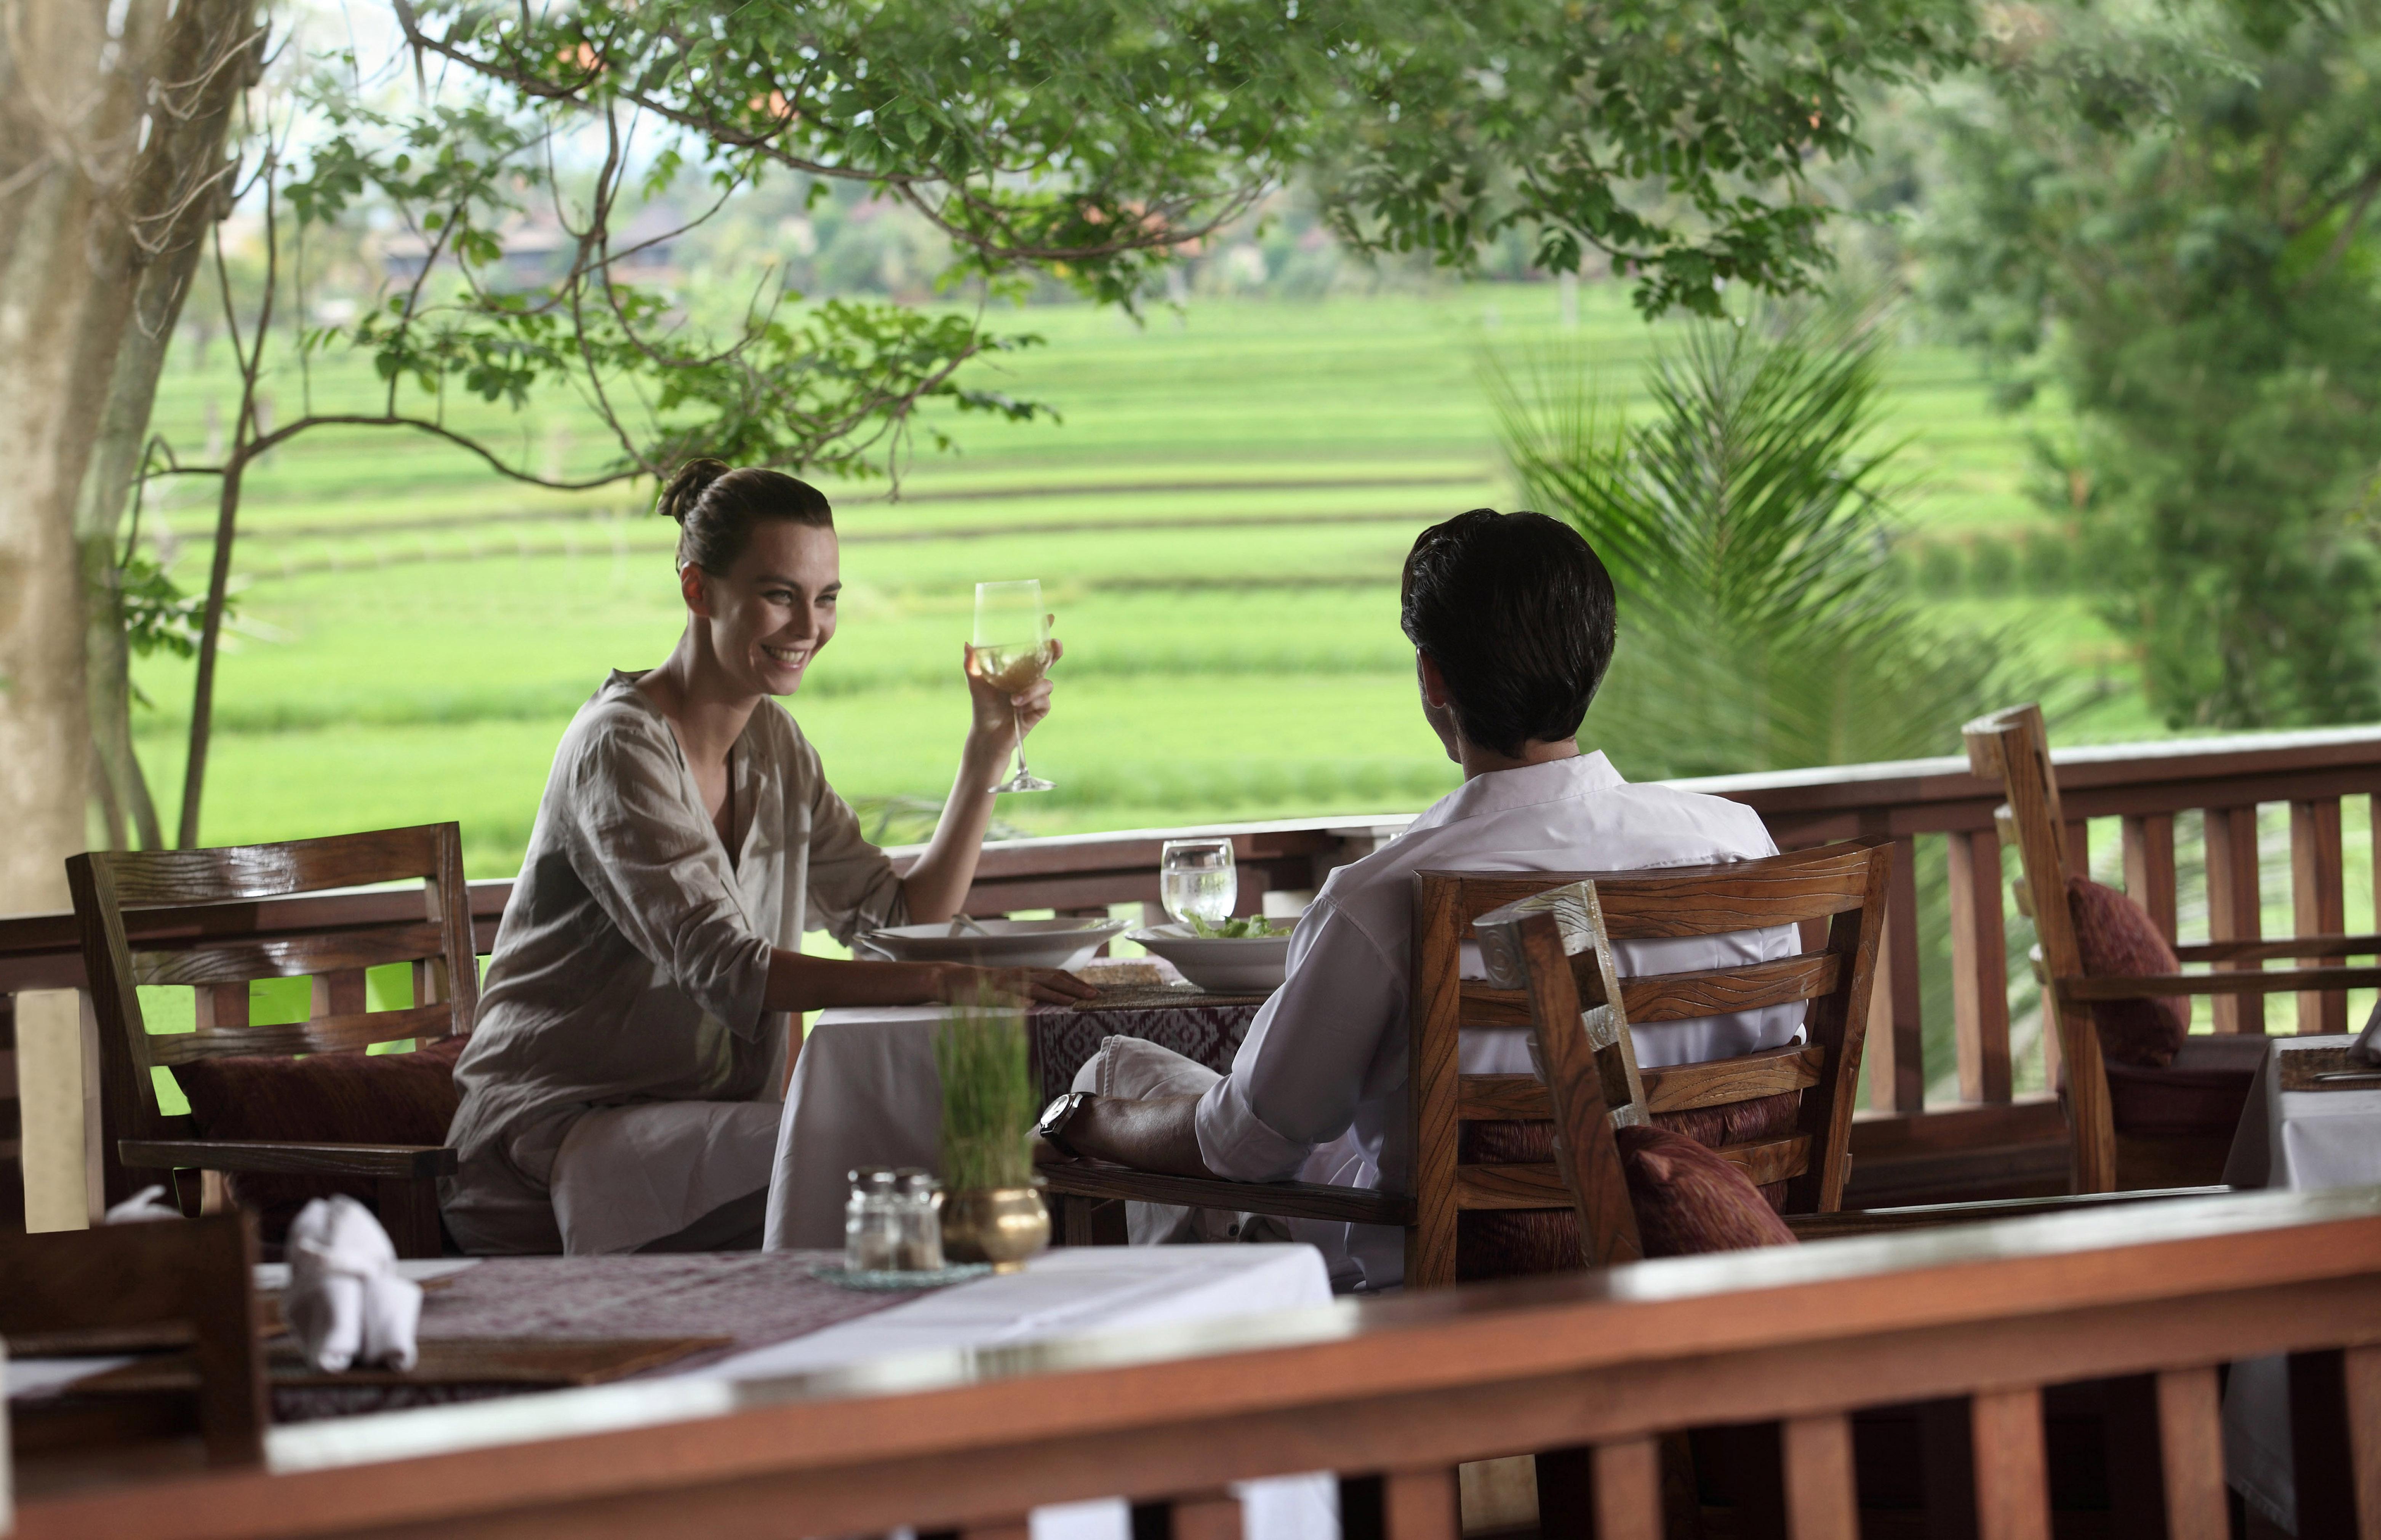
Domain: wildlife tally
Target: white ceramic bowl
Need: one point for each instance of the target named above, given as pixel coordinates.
(1062, 943)
(1252, 966)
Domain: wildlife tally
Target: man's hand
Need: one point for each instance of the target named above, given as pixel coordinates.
(1158, 1134)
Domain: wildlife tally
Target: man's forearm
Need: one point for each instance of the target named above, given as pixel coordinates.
(1161, 1134)
(801, 983)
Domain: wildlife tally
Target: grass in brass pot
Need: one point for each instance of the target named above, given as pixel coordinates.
(988, 1104)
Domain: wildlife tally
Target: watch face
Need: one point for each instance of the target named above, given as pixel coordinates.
(1057, 1111)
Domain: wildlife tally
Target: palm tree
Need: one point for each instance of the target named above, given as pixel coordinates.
(1748, 529)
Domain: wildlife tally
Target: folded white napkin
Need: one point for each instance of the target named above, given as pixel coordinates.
(142, 1206)
(346, 1302)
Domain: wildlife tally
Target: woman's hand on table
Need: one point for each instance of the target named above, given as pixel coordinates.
(960, 984)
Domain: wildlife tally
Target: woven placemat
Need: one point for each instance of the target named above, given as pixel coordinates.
(1164, 996)
(2300, 1065)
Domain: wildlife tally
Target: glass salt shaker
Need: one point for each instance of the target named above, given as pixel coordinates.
(871, 1222)
(921, 1246)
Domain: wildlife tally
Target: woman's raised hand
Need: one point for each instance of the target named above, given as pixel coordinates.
(998, 713)
(960, 984)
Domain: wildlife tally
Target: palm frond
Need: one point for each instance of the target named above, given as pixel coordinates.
(1747, 523)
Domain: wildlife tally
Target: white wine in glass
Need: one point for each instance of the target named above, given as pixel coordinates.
(1010, 650)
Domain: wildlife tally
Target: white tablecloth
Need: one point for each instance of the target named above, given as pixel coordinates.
(865, 1093)
(2302, 1141)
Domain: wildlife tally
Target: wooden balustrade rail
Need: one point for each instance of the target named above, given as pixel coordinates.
(2145, 1303)
(1991, 1143)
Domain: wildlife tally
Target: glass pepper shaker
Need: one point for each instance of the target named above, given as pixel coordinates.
(871, 1222)
(921, 1245)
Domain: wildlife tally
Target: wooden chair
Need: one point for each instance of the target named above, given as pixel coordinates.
(1839, 887)
(2116, 1147)
(160, 1284)
(1842, 886)
(446, 992)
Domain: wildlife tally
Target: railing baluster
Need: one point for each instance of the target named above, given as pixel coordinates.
(1979, 966)
(2012, 1480)
(2335, 1442)
(2079, 848)
(2191, 1446)
(2149, 867)
(1420, 1505)
(1896, 1055)
(2233, 913)
(2318, 903)
(1210, 1516)
(1629, 1491)
(1820, 1502)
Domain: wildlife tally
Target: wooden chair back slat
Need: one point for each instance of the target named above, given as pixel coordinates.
(156, 1284)
(2011, 1465)
(289, 957)
(322, 1034)
(1725, 1082)
(236, 874)
(1652, 997)
(439, 946)
(1673, 1088)
(2191, 1445)
(1835, 894)
(1628, 1490)
(1672, 901)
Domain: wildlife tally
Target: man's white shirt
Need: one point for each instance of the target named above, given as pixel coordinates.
(1317, 1091)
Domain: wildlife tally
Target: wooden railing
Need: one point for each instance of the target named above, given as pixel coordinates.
(1962, 1331)
(1985, 1140)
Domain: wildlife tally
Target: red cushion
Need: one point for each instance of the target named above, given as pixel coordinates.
(347, 1098)
(1500, 1243)
(1688, 1200)
(2118, 938)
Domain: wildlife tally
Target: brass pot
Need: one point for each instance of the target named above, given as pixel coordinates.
(999, 1225)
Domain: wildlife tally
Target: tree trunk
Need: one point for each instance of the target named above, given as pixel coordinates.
(122, 789)
(110, 155)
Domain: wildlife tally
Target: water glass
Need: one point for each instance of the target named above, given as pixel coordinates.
(1195, 878)
(871, 1222)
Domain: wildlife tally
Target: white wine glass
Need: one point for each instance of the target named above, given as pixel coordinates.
(1010, 652)
(1196, 879)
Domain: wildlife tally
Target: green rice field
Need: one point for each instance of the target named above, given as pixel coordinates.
(1217, 519)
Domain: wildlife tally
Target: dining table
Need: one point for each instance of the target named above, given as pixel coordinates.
(2303, 1135)
(744, 1324)
(865, 1090)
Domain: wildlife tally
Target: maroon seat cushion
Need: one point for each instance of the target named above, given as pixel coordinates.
(1688, 1200)
(2118, 940)
(2198, 1093)
(1498, 1243)
(344, 1098)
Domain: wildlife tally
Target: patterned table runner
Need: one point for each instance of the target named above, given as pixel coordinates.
(1204, 1027)
(749, 1299)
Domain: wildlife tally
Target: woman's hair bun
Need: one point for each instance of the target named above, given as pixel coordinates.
(687, 488)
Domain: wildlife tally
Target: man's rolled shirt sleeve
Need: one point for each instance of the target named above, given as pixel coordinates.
(1312, 1054)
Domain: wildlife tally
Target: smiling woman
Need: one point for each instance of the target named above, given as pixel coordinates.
(634, 1019)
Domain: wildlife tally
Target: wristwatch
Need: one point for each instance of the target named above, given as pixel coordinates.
(1057, 1115)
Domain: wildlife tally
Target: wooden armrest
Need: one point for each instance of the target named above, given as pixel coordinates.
(2243, 982)
(421, 1161)
(1883, 1221)
(1293, 1200)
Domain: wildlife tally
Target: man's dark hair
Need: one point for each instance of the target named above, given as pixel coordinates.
(1519, 614)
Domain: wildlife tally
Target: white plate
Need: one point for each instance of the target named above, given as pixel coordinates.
(1253, 965)
(992, 942)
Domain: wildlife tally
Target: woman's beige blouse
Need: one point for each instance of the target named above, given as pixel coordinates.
(631, 961)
